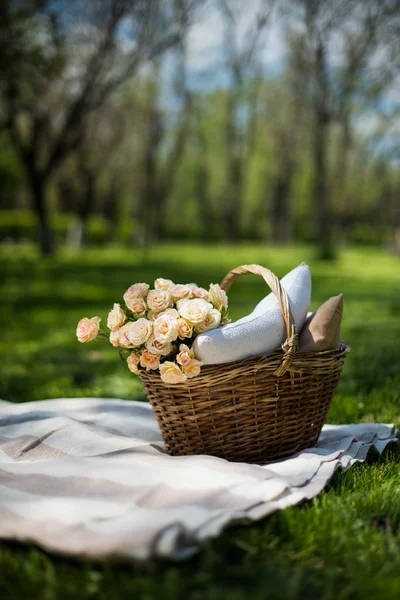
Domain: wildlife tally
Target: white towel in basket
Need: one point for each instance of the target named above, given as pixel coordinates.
(261, 332)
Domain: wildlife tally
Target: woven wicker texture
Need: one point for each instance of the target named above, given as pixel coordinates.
(256, 410)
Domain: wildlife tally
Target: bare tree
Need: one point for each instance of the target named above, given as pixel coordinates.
(202, 174)
(314, 24)
(99, 149)
(165, 144)
(181, 134)
(47, 91)
(348, 31)
(287, 122)
(148, 193)
(322, 18)
(364, 77)
(243, 63)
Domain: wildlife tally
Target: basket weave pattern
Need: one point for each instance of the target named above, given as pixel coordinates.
(255, 410)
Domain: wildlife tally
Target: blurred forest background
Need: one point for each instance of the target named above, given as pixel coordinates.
(181, 138)
(130, 122)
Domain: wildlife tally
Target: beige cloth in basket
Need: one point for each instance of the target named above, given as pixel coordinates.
(321, 331)
(91, 478)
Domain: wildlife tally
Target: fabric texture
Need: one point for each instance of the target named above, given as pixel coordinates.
(321, 331)
(261, 332)
(91, 478)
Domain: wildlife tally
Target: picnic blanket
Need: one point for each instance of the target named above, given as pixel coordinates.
(91, 478)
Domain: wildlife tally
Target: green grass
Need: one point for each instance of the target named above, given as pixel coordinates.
(344, 544)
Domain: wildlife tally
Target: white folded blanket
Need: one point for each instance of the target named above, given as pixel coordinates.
(261, 332)
(90, 478)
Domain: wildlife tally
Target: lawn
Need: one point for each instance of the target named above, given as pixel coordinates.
(344, 544)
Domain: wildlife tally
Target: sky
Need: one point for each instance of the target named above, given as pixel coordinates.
(206, 41)
(205, 59)
(206, 62)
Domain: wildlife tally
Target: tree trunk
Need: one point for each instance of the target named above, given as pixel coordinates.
(203, 202)
(148, 200)
(343, 199)
(282, 222)
(343, 150)
(78, 234)
(38, 191)
(320, 189)
(66, 194)
(159, 229)
(321, 194)
(167, 178)
(232, 197)
(281, 214)
(320, 157)
(111, 208)
(202, 178)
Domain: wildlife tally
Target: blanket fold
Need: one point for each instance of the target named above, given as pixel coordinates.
(90, 477)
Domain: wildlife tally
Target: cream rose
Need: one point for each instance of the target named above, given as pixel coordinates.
(124, 335)
(180, 303)
(185, 355)
(195, 311)
(136, 333)
(218, 297)
(192, 369)
(116, 317)
(140, 332)
(163, 284)
(149, 361)
(172, 312)
(114, 338)
(88, 329)
(179, 292)
(133, 361)
(166, 328)
(159, 300)
(138, 290)
(212, 321)
(137, 306)
(198, 292)
(171, 373)
(185, 329)
(160, 348)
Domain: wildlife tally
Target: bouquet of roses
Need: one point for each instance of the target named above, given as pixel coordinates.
(156, 328)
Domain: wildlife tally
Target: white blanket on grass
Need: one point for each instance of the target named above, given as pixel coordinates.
(91, 478)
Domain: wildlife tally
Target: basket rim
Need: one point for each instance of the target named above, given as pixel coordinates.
(302, 360)
(265, 358)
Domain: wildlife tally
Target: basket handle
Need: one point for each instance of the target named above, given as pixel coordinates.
(291, 344)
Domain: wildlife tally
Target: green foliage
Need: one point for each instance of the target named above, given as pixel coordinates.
(345, 544)
(365, 199)
(17, 225)
(11, 175)
(368, 235)
(21, 226)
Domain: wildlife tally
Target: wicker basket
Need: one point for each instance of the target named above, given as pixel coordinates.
(255, 410)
